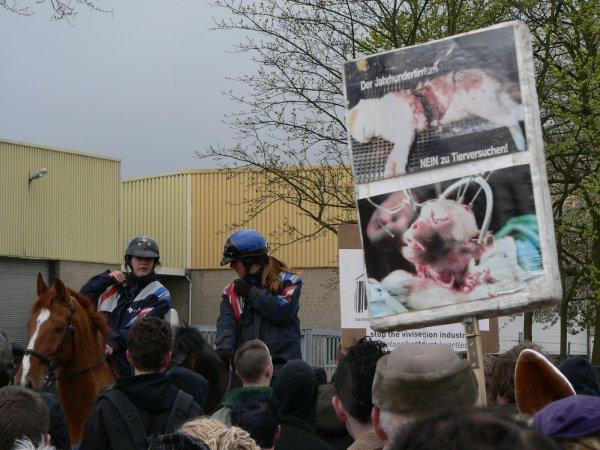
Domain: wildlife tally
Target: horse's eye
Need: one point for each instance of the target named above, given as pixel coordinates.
(59, 329)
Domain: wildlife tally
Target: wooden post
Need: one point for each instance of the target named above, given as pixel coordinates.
(475, 355)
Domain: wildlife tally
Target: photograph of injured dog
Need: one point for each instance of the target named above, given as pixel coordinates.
(438, 104)
(460, 240)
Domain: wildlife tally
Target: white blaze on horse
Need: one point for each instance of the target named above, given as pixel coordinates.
(67, 339)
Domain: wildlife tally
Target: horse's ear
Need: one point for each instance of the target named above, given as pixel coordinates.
(42, 287)
(60, 289)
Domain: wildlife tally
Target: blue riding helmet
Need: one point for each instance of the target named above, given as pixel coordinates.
(243, 245)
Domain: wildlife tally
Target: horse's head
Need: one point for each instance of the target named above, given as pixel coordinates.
(57, 323)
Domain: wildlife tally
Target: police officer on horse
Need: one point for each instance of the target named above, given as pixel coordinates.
(262, 303)
(129, 295)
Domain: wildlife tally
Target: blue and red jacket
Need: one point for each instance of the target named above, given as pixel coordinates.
(272, 318)
(127, 306)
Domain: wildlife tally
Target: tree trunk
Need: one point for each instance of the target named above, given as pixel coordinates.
(564, 307)
(528, 326)
(596, 350)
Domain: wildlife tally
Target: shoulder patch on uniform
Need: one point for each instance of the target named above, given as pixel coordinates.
(290, 277)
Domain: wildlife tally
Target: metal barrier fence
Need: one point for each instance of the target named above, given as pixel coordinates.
(319, 347)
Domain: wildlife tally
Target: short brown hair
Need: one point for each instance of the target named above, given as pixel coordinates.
(251, 359)
(23, 415)
(503, 371)
(150, 339)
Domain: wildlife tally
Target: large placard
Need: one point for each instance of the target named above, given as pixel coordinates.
(453, 201)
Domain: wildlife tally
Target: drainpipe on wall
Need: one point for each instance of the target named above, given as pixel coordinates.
(189, 280)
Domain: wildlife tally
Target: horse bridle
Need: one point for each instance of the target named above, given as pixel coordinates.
(52, 362)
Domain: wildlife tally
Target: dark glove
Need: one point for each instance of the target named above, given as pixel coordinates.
(226, 354)
(242, 287)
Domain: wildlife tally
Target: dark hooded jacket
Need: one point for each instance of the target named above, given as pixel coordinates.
(59, 430)
(127, 311)
(153, 396)
(581, 374)
(296, 392)
(191, 382)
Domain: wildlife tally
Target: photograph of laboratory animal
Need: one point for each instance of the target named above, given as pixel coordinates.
(465, 239)
(433, 105)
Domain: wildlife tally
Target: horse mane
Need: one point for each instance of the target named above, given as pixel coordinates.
(192, 341)
(97, 318)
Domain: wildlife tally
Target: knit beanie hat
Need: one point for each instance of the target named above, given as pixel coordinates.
(581, 374)
(538, 382)
(178, 441)
(418, 378)
(574, 417)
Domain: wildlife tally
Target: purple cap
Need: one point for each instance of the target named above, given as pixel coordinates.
(573, 417)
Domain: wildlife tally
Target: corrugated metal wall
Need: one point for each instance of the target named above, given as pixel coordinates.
(216, 206)
(72, 213)
(158, 207)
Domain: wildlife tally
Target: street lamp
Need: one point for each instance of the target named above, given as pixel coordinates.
(37, 175)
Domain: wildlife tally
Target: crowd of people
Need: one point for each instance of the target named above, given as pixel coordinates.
(415, 397)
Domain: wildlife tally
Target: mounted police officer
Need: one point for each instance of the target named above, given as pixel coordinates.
(129, 295)
(262, 303)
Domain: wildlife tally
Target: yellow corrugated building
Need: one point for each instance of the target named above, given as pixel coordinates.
(191, 213)
(59, 216)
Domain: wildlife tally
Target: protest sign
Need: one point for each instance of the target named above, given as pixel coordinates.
(453, 200)
(355, 316)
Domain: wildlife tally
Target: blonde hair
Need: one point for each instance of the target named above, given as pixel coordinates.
(218, 436)
(270, 276)
(585, 443)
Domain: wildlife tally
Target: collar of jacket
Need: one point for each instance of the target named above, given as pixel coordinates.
(237, 394)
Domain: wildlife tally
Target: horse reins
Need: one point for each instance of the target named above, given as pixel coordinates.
(52, 363)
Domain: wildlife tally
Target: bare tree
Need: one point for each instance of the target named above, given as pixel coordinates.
(292, 128)
(60, 9)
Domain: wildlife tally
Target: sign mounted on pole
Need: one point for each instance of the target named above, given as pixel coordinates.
(452, 194)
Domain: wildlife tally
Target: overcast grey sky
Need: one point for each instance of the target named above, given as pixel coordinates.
(144, 85)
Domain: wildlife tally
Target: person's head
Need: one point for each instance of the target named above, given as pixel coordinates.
(258, 414)
(149, 345)
(142, 255)
(218, 436)
(6, 359)
(488, 367)
(353, 381)
(581, 374)
(253, 364)
(247, 252)
(23, 415)
(296, 391)
(574, 421)
(414, 380)
(178, 441)
(503, 372)
(470, 429)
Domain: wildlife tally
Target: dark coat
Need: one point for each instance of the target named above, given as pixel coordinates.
(296, 434)
(59, 430)
(191, 382)
(153, 396)
(271, 318)
(296, 392)
(126, 312)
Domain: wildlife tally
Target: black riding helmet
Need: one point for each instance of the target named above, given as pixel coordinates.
(142, 247)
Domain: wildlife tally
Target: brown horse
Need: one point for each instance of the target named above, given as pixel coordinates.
(66, 343)
(193, 352)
